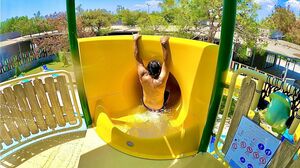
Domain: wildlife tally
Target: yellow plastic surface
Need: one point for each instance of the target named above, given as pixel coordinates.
(239, 79)
(114, 94)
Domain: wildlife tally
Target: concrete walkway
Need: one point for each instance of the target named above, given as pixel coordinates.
(61, 151)
(85, 149)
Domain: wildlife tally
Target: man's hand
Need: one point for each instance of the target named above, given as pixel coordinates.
(136, 37)
(164, 40)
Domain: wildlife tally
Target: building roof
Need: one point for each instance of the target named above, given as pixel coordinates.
(10, 35)
(284, 48)
(26, 38)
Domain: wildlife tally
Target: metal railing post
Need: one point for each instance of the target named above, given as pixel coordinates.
(227, 31)
(72, 33)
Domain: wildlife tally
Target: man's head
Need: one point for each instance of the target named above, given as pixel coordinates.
(154, 69)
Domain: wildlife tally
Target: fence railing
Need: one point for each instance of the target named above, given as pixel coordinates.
(8, 69)
(236, 65)
(250, 94)
(11, 62)
(35, 107)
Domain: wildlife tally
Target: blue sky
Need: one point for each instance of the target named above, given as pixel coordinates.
(12, 8)
(267, 6)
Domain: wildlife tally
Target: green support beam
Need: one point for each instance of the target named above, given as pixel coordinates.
(72, 32)
(227, 31)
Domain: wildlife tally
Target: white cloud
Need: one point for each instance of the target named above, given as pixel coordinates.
(150, 3)
(293, 4)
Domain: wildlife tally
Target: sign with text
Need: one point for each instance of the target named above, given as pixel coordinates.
(251, 147)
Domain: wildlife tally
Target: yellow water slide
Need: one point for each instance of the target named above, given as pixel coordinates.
(114, 94)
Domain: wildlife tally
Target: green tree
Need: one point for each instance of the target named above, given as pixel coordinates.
(25, 25)
(169, 9)
(152, 23)
(281, 19)
(37, 14)
(128, 17)
(40, 23)
(54, 43)
(206, 13)
(97, 19)
(178, 14)
(82, 31)
(247, 28)
(203, 17)
(193, 17)
(284, 20)
(8, 25)
(294, 33)
(22, 24)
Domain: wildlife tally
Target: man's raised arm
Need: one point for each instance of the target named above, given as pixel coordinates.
(141, 68)
(166, 58)
(136, 38)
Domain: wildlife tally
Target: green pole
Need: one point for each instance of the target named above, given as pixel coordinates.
(72, 32)
(227, 31)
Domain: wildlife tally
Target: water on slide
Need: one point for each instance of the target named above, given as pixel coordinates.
(147, 124)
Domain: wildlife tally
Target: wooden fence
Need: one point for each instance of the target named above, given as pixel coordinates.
(36, 106)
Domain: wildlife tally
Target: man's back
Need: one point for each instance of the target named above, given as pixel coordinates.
(153, 91)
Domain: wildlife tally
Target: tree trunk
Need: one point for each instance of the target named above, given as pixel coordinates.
(212, 31)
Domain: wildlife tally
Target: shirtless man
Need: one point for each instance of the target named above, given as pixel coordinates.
(153, 78)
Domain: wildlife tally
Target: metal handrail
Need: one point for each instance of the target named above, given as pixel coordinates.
(72, 33)
(241, 65)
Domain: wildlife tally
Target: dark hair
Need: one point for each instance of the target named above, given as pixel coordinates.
(154, 69)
